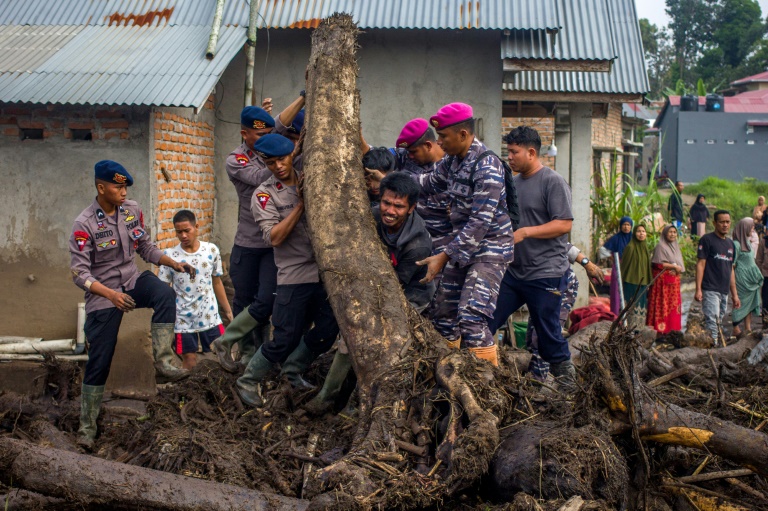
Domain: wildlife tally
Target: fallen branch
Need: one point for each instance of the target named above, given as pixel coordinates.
(713, 476)
(93, 481)
(669, 377)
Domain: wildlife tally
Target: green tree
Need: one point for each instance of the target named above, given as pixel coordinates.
(659, 55)
(739, 28)
(757, 61)
(691, 26)
(650, 35)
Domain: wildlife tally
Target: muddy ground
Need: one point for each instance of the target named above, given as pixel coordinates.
(199, 428)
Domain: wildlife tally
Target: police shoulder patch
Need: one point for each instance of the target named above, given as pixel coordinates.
(263, 199)
(81, 238)
(242, 159)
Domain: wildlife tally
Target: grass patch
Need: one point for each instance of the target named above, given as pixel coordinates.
(737, 197)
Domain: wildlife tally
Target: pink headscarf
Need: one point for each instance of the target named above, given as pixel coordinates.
(666, 251)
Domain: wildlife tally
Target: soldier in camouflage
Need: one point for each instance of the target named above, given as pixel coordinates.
(417, 152)
(474, 261)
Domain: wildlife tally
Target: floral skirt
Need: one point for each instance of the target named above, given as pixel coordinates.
(665, 304)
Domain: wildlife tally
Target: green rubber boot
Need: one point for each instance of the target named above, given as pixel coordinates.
(258, 336)
(163, 338)
(90, 404)
(239, 328)
(326, 398)
(248, 386)
(296, 364)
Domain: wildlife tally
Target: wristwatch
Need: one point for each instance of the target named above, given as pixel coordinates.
(585, 261)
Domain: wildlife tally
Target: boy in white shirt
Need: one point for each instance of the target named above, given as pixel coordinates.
(197, 300)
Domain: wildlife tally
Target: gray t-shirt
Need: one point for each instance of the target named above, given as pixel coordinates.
(543, 197)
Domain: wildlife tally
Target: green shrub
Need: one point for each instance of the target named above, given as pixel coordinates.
(616, 198)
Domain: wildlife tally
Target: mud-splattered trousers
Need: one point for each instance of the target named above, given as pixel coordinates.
(544, 298)
(538, 367)
(481, 248)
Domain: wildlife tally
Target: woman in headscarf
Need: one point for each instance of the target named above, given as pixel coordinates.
(664, 300)
(748, 277)
(636, 272)
(699, 216)
(620, 240)
(758, 215)
(616, 244)
(762, 263)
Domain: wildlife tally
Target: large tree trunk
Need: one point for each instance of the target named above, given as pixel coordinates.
(92, 481)
(364, 291)
(397, 355)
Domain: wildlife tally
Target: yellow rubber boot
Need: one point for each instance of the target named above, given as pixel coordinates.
(488, 353)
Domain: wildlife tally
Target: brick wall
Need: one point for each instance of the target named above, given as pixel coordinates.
(544, 125)
(99, 123)
(183, 169)
(606, 132)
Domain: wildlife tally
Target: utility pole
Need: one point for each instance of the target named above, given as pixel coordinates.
(250, 52)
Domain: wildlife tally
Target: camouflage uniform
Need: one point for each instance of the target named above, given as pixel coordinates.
(433, 209)
(481, 247)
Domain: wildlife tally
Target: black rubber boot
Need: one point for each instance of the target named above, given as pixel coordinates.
(565, 374)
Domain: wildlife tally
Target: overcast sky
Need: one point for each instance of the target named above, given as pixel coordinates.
(654, 10)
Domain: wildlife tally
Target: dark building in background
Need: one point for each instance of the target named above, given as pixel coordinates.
(725, 137)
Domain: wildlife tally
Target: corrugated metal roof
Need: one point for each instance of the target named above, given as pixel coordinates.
(595, 42)
(638, 110)
(628, 74)
(752, 102)
(151, 13)
(760, 77)
(452, 14)
(99, 64)
(25, 48)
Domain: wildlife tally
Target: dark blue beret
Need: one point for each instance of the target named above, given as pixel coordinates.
(298, 122)
(112, 172)
(256, 118)
(272, 145)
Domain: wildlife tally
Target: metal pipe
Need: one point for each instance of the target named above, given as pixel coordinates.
(80, 345)
(250, 51)
(214, 38)
(15, 339)
(73, 358)
(616, 274)
(67, 345)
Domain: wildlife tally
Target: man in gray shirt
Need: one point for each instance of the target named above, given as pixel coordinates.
(537, 276)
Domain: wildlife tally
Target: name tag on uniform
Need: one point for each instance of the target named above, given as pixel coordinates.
(460, 189)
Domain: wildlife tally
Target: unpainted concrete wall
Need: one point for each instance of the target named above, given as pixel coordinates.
(410, 75)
